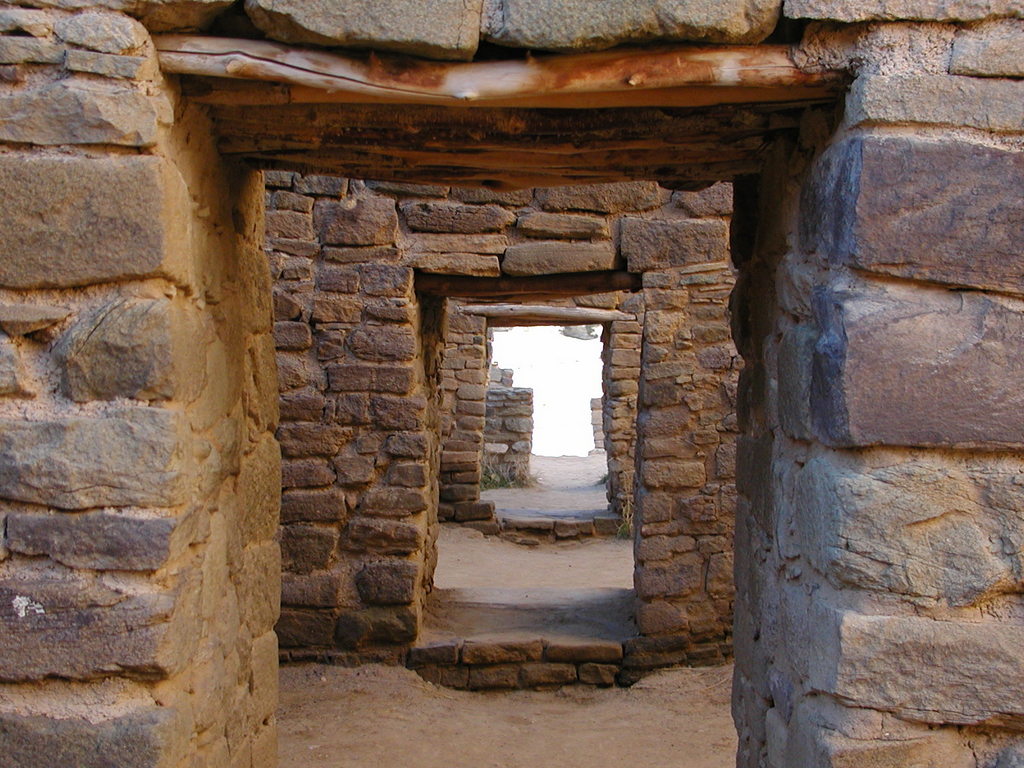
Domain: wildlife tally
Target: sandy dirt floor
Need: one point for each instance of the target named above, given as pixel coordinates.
(564, 484)
(385, 717)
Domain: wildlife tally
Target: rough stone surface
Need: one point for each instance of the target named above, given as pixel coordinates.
(102, 32)
(870, 212)
(651, 243)
(601, 198)
(445, 217)
(125, 349)
(73, 211)
(132, 458)
(145, 737)
(992, 49)
(394, 25)
(74, 112)
(362, 221)
(564, 226)
(882, 352)
(894, 10)
(987, 104)
(562, 25)
(553, 257)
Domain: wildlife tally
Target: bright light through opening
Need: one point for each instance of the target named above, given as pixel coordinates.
(564, 374)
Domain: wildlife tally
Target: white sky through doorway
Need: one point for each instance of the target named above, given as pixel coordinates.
(564, 374)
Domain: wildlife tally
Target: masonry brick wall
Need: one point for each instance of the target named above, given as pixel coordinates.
(139, 475)
(508, 436)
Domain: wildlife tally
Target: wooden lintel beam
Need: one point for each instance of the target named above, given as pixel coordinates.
(500, 315)
(679, 75)
(531, 288)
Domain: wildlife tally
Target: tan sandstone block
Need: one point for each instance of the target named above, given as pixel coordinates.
(73, 211)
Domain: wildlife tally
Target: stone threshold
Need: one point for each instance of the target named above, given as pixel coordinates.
(536, 528)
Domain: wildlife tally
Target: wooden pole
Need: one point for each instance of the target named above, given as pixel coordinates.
(656, 76)
(499, 315)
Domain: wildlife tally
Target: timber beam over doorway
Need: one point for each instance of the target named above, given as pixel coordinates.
(683, 115)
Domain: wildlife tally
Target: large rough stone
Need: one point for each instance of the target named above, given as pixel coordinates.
(919, 527)
(989, 50)
(124, 349)
(73, 212)
(566, 25)
(904, 366)
(112, 629)
(96, 540)
(447, 217)
(602, 198)
(11, 372)
(987, 104)
(894, 10)
(959, 672)
(133, 457)
(887, 205)
(476, 264)
(103, 32)
(656, 244)
(553, 257)
(23, 319)
(444, 29)
(563, 226)
(391, 582)
(146, 737)
(72, 112)
(360, 221)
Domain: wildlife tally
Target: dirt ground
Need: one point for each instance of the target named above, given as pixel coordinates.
(385, 717)
(563, 483)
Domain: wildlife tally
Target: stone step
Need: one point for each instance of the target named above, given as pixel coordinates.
(529, 528)
(505, 662)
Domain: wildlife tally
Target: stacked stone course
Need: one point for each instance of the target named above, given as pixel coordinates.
(139, 474)
(880, 463)
(508, 435)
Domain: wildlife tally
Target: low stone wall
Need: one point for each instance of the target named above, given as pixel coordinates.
(508, 435)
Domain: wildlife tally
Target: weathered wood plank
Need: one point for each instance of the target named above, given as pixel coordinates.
(682, 76)
(514, 315)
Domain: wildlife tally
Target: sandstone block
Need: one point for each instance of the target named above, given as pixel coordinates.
(336, 309)
(501, 651)
(540, 674)
(324, 186)
(292, 336)
(370, 378)
(71, 112)
(73, 211)
(601, 651)
(480, 244)
(133, 457)
(391, 502)
(12, 375)
(552, 257)
(102, 32)
(476, 264)
(23, 319)
(307, 548)
(916, 527)
(905, 366)
(987, 104)
(454, 218)
(356, 221)
(602, 198)
(147, 737)
(948, 672)
(97, 540)
(313, 506)
(30, 50)
(673, 473)
(47, 611)
(382, 343)
(34, 23)
(658, 244)
(716, 200)
(563, 226)
(108, 65)
(125, 349)
(394, 25)
(390, 582)
(443, 653)
(390, 626)
(894, 10)
(306, 473)
(866, 196)
(515, 199)
(290, 225)
(386, 280)
(305, 628)
(598, 674)
(991, 49)
(495, 677)
(561, 25)
(386, 536)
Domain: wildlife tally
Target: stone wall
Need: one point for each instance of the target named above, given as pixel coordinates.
(880, 312)
(358, 361)
(359, 505)
(139, 475)
(508, 435)
(685, 495)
